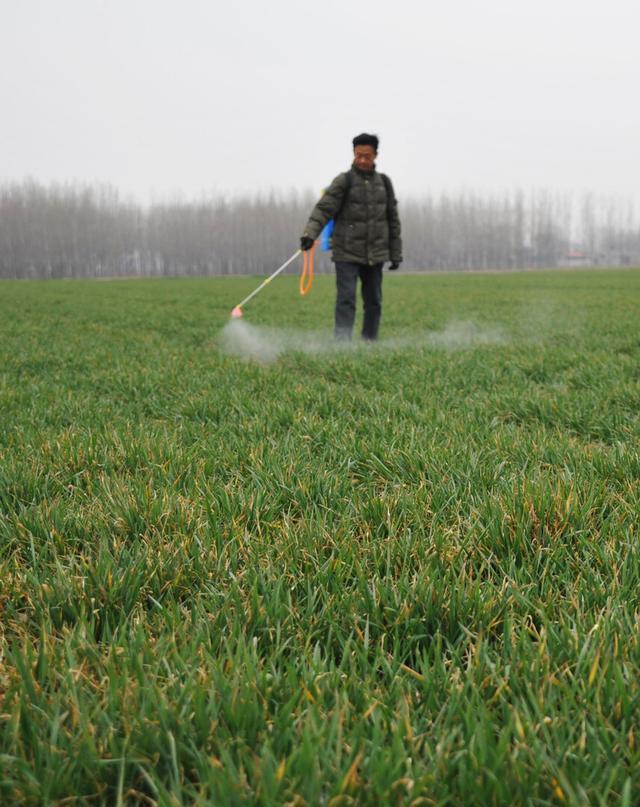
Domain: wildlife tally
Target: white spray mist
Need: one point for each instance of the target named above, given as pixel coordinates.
(263, 344)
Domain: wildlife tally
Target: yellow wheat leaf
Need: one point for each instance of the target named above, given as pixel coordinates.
(351, 776)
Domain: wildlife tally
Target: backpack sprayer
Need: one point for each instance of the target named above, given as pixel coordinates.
(306, 278)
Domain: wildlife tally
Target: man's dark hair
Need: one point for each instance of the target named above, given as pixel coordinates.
(365, 139)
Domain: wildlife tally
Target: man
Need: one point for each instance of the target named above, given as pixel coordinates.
(365, 236)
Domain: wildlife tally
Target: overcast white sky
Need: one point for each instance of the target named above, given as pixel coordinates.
(163, 97)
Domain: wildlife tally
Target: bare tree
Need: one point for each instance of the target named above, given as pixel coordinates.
(60, 231)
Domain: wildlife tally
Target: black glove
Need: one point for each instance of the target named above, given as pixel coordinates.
(394, 266)
(306, 242)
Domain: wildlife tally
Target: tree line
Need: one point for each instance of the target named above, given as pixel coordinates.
(75, 231)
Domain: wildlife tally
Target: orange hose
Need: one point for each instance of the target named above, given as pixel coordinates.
(306, 278)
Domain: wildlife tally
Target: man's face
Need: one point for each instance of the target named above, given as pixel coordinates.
(364, 157)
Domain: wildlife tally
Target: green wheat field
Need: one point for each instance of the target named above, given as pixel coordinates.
(242, 565)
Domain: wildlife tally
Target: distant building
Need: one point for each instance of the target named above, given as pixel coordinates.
(575, 257)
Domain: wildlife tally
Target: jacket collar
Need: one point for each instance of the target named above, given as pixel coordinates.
(362, 173)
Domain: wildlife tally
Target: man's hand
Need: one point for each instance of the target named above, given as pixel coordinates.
(306, 242)
(394, 266)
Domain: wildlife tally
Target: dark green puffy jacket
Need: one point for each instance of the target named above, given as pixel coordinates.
(367, 229)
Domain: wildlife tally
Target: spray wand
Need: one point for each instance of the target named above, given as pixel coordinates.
(306, 279)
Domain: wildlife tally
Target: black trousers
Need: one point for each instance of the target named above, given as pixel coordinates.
(347, 275)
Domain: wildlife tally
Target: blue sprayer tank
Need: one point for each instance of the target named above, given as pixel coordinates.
(325, 236)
